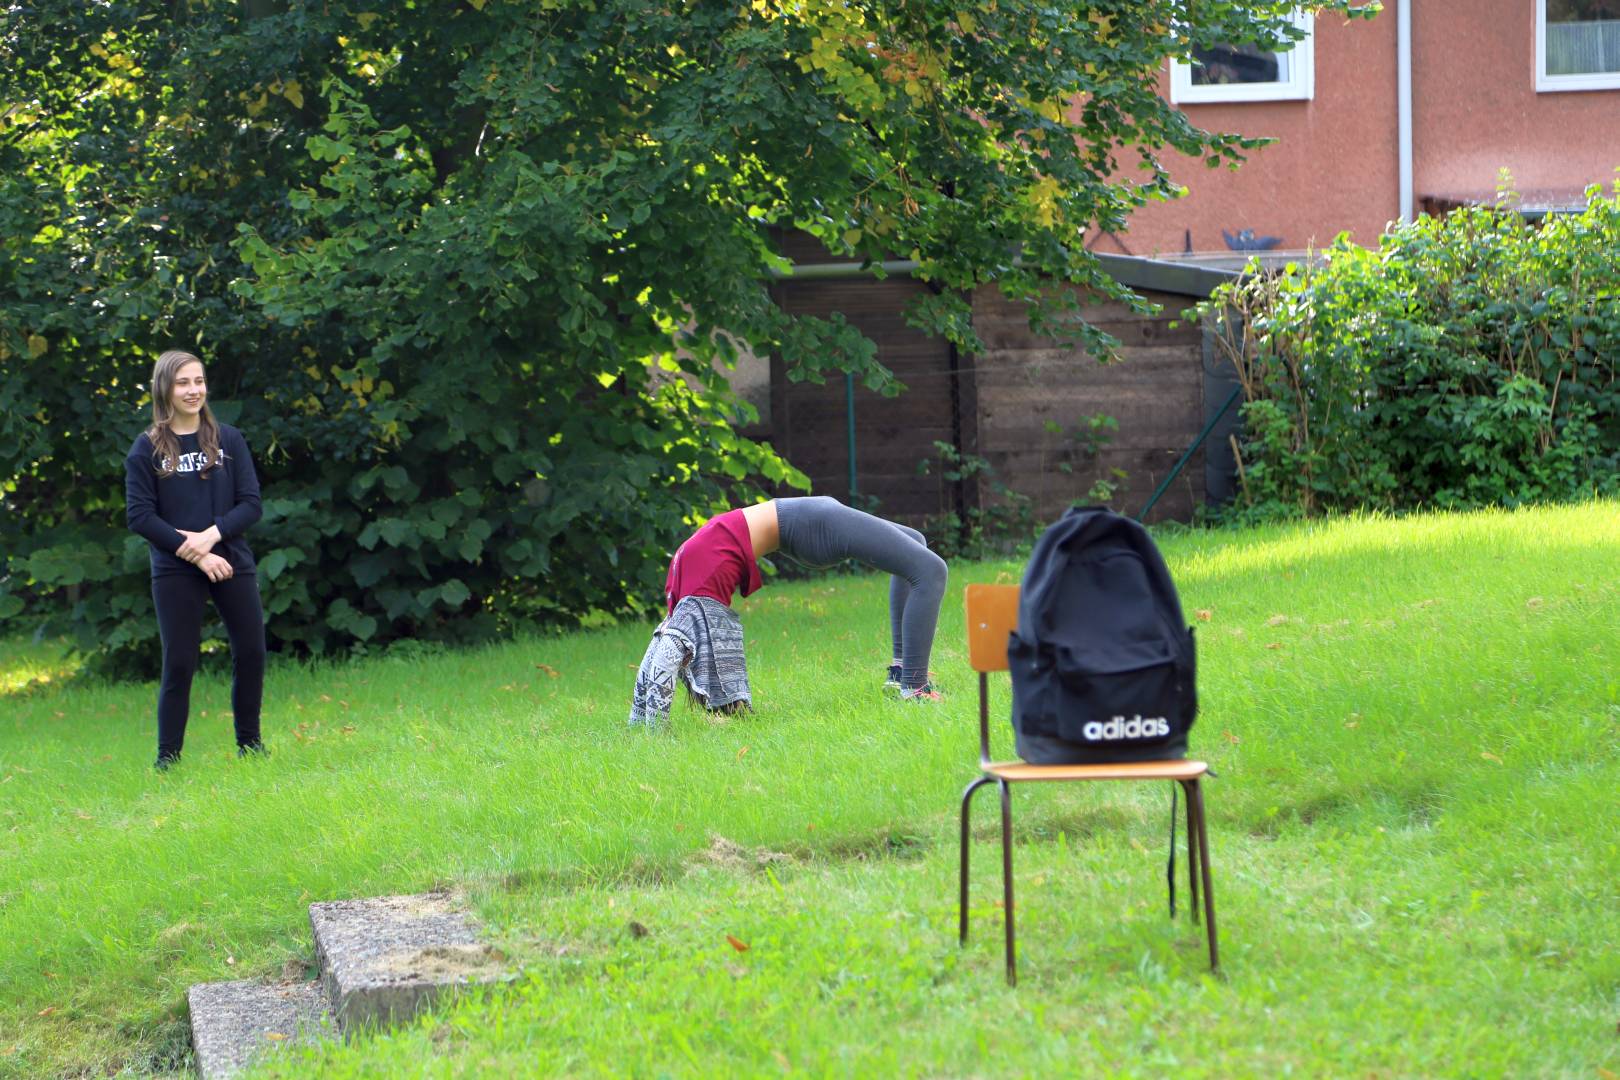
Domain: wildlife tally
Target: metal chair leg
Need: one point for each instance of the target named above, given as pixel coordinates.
(1196, 798)
(967, 806)
(1007, 880)
(1192, 853)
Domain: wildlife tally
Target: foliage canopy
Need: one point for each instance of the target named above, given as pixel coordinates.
(463, 271)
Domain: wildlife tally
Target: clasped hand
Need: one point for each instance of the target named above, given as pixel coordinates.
(197, 544)
(198, 547)
(216, 568)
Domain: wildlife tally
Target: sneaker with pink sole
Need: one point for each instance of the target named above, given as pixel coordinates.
(927, 693)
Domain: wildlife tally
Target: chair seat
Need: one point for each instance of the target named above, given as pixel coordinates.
(1179, 769)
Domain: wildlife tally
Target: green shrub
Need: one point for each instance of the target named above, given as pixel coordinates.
(1468, 361)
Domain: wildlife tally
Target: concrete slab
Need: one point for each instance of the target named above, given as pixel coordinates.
(386, 958)
(233, 1023)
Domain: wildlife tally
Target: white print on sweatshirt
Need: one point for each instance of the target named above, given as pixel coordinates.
(195, 461)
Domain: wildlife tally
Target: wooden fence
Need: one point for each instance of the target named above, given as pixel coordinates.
(1001, 405)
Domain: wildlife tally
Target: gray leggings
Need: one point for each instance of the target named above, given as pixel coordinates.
(820, 531)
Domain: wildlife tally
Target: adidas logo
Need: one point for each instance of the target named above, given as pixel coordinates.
(1154, 727)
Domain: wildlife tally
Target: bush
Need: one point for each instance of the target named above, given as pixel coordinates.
(1468, 361)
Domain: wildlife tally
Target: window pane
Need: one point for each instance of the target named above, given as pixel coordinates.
(1237, 64)
(1583, 37)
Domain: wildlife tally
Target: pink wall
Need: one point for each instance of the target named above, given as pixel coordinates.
(1332, 168)
(1477, 109)
(1335, 166)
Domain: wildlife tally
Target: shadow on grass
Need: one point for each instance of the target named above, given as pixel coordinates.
(724, 856)
(1415, 802)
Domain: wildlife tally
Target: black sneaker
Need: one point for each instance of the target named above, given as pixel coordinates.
(892, 683)
(165, 761)
(252, 749)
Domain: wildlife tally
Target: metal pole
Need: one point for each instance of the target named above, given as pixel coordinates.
(1202, 435)
(849, 403)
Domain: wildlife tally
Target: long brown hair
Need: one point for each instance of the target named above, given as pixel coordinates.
(165, 443)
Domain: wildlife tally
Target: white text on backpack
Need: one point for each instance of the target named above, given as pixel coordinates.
(1154, 727)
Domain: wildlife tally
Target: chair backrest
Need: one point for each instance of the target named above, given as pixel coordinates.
(992, 614)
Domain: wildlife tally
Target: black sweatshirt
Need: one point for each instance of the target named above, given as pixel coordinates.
(227, 496)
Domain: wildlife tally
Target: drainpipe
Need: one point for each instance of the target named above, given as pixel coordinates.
(1403, 100)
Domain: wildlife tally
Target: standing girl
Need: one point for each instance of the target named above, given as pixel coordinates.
(190, 490)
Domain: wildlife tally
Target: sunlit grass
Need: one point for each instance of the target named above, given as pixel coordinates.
(1416, 725)
(29, 665)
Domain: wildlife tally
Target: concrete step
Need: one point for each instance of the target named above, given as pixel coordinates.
(233, 1023)
(387, 958)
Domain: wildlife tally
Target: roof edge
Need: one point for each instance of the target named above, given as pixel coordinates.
(1135, 272)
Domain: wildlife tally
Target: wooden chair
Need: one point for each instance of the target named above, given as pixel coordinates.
(992, 613)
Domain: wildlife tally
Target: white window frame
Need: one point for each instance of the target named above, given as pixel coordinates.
(1300, 85)
(1552, 84)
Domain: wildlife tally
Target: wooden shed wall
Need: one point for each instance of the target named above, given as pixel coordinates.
(892, 434)
(1154, 391)
(995, 404)
(809, 421)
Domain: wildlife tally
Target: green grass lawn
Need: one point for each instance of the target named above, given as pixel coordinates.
(1416, 845)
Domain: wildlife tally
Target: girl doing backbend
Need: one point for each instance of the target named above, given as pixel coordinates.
(191, 491)
(700, 643)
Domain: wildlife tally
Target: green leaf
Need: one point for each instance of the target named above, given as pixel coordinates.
(397, 482)
(367, 570)
(396, 532)
(397, 603)
(69, 564)
(471, 544)
(362, 482)
(273, 564)
(508, 467)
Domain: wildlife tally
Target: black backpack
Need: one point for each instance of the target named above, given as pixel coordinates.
(1102, 664)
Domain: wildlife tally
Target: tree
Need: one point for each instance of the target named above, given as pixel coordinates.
(464, 270)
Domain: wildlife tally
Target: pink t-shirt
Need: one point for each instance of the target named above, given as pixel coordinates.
(715, 561)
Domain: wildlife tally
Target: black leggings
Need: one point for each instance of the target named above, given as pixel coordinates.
(181, 601)
(820, 531)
